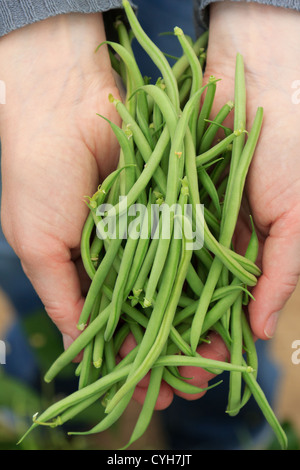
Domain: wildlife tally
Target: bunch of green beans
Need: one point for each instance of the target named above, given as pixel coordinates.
(167, 291)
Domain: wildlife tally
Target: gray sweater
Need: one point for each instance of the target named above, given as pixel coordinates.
(15, 14)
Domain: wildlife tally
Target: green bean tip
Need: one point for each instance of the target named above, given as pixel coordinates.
(178, 31)
(97, 364)
(112, 99)
(147, 302)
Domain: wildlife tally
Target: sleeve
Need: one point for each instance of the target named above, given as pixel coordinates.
(202, 13)
(15, 14)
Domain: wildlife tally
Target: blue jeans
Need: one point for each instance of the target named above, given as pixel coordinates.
(202, 424)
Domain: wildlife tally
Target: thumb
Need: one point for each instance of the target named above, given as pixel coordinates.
(280, 274)
(54, 276)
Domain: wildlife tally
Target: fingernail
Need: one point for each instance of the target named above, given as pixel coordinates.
(271, 325)
(67, 340)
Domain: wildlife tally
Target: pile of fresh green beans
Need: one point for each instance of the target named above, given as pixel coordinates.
(167, 295)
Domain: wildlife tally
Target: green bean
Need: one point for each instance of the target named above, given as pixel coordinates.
(98, 341)
(231, 210)
(185, 91)
(128, 153)
(222, 188)
(217, 149)
(238, 331)
(85, 246)
(161, 338)
(210, 188)
(154, 53)
(210, 241)
(78, 396)
(251, 353)
(77, 346)
(157, 118)
(165, 105)
(142, 143)
(261, 400)
(202, 362)
(247, 263)
(171, 193)
(77, 370)
(146, 413)
(145, 176)
(214, 313)
(135, 78)
(231, 203)
(182, 64)
(88, 352)
(115, 63)
(205, 110)
(220, 167)
(143, 123)
(120, 285)
(110, 364)
(161, 301)
(266, 409)
(97, 281)
(194, 281)
(211, 131)
(240, 112)
(137, 317)
(196, 75)
(95, 252)
(98, 349)
(235, 378)
(97, 199)
(183, 386)
(132, 312)
(120, 337)
(108, 420)
(141, 250)
(123, 35)
(241, 331)
(220, 292)
(136, 331)
(74, 410)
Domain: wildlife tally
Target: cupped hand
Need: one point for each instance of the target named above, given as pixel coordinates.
(55, 150)
(268, 38)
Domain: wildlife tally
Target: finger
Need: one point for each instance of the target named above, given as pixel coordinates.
(280, 274)
(197, 376)
(164, 399)
(55, 278)
(127, 346)
(165, 395)
(191, 396)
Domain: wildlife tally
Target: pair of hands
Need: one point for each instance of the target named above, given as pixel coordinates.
(55, 150)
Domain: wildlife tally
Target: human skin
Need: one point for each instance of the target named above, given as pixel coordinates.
(55, 87)
(53, 151)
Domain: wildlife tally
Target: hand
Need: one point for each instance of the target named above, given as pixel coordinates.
(55, 150)
(268, 38)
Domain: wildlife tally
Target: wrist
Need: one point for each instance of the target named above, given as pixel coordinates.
(268, 37)
(50, 58)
